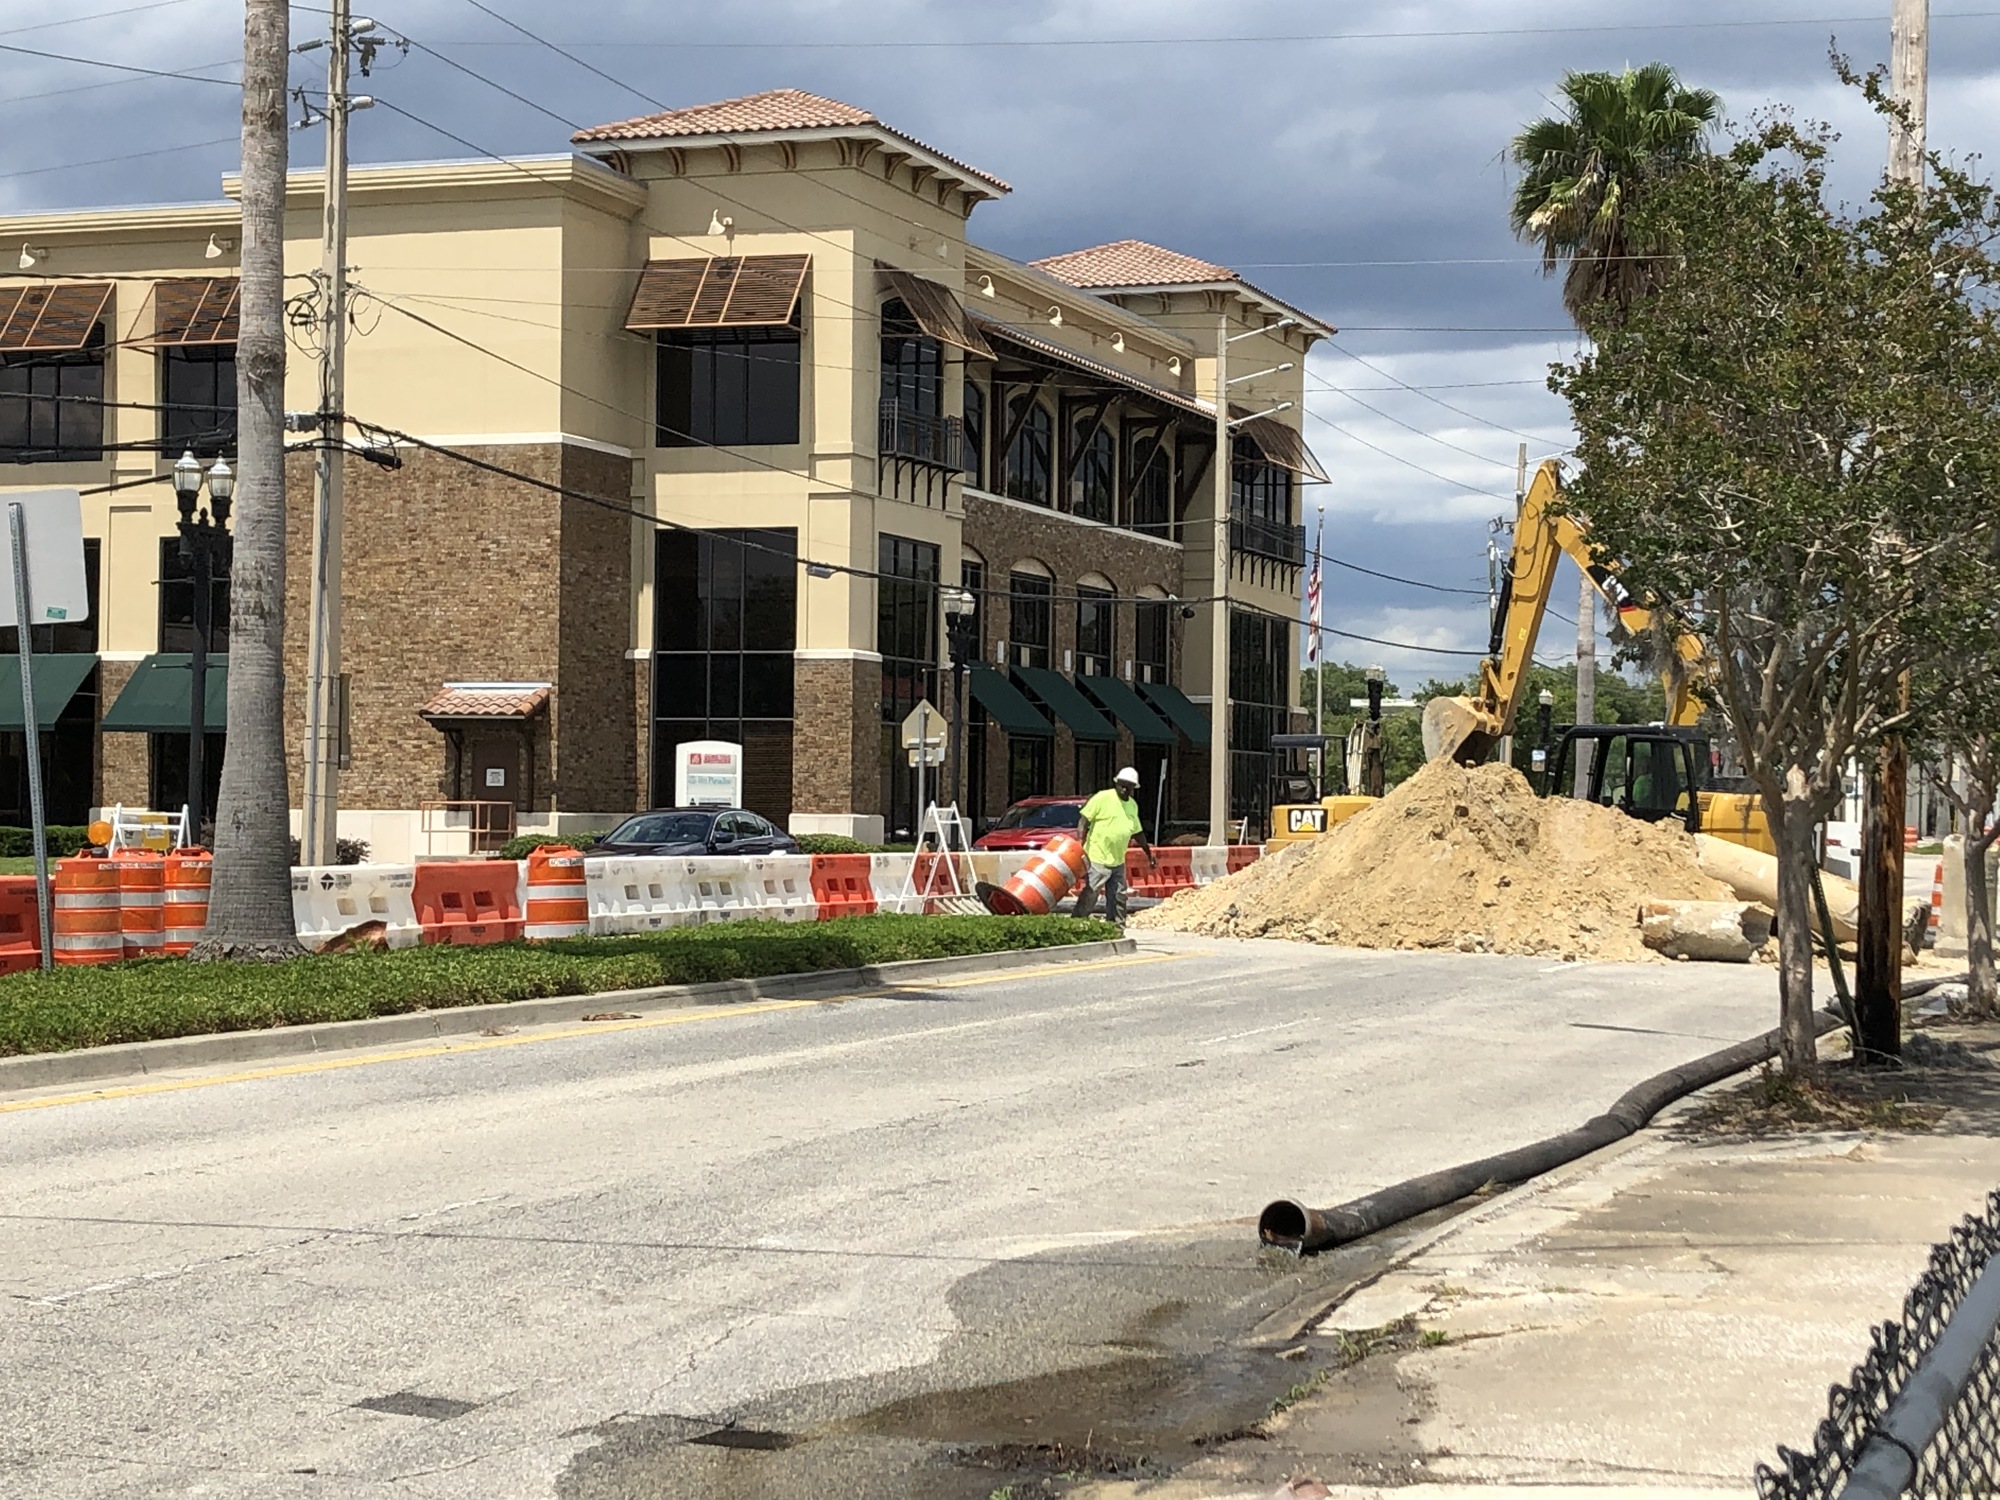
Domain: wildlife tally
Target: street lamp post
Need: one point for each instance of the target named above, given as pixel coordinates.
(204, 543)
(961, 633)
(1546, 703)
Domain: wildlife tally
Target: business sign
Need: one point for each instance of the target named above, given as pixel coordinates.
(708, 773)
(52, 527)
(1305, 820)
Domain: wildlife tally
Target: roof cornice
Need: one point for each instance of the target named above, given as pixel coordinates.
(969, 180)
(570, 175)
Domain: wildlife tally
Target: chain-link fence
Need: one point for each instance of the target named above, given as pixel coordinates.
(1921, 1414)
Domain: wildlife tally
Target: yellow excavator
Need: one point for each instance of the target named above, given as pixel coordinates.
(1655, 772)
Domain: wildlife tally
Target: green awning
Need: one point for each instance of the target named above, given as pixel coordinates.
(57, 677)
(1182, 714)
(1129, 709)
(1004, 702)
(155, 701)
(1060, 697)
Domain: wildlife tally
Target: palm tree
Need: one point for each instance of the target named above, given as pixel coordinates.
(1583, 174)
(250, 905)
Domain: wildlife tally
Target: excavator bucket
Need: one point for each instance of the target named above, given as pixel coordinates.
(1456, 729)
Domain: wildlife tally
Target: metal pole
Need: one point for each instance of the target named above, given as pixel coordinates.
(322, 794)
(31, 728)
(1218, 657)
(1586, 676)
(204, 624)
(923, 756)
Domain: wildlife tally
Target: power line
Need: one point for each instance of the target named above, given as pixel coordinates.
(1434, 400)
(102, 15)
(1415, 583)
(76, 166)
(110, 83)
(1407, 463)
(98, 62)
(1498, 463)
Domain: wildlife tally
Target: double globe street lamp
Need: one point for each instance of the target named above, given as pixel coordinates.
(961, 634)
(205, 547)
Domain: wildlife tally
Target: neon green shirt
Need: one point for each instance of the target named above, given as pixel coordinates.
(1113, 821)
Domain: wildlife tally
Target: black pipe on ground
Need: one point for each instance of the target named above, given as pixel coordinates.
(1290, 1225)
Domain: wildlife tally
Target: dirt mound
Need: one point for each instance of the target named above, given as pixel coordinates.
(1461, 858)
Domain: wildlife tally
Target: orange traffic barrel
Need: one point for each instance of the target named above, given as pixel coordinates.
(187, 880)
(20, 925)
(142, 901)
(558, 901)
(88, 929)
(1046, 879)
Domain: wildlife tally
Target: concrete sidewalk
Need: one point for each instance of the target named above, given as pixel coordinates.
(1654, 1320)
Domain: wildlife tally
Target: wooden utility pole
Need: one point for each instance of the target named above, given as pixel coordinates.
(1878, 965)
(1218, 657)
(250, 903)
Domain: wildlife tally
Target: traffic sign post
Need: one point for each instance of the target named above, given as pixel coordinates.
(924, 738)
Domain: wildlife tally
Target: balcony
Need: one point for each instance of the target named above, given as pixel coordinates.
(1271, 540)
(934, 442)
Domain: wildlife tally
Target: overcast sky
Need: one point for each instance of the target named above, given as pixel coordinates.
(1349, 158)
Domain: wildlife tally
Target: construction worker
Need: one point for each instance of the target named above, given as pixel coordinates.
(1106, 827)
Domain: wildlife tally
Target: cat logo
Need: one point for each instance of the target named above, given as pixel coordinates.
(1305, 820)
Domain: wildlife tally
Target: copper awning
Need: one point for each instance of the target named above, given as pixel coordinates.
(51, 318)
(724, 291)
(935, 309)
(193, 311)
(1282, 445)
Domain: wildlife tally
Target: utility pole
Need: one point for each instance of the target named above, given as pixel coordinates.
(1586, 675)
(318, 841)
(1878, 956)
(1218, 654)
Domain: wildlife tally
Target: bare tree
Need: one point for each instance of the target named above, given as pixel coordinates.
(250, 906)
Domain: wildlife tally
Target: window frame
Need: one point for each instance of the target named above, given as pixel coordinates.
(1030, 597)
(73, 402)
(1094, 460)
(1098, 607)
(1030, 458)
(180, 417)
(778, 424)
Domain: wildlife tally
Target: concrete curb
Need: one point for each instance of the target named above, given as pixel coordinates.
(124, 1059)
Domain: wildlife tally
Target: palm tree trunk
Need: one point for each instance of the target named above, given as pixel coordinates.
(1792, 824)
(250, 905)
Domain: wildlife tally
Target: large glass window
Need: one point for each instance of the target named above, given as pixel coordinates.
(1258, 707)
(1092, 492)
(1096, 635)
(1027, 767)
(1030, 622)
(1030, 457)
(724, 611)
(177, 601)
(906, 633)
(912, 363)
(198, 401)
(973, 432)
(1152, 623)
(1152, 486)
(52, 405)
(729, 387)
(1258, 491)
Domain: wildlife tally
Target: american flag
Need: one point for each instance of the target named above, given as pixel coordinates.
(1312, 606)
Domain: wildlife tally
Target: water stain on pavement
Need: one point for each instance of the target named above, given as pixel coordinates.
(1114, 1362)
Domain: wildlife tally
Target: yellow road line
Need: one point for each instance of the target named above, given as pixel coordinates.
(367, 1059)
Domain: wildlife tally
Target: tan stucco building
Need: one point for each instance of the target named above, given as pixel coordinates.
(690, 426)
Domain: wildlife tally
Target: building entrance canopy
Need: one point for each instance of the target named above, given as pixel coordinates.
(56, 680)
(158, 698)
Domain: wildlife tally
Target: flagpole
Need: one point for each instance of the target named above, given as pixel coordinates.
(1319, 648)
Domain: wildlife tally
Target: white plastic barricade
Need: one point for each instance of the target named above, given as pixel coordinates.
(784, 887)
(641, 894)
(889, 877)
(727, 890)
(329, 900)
(1209, 863)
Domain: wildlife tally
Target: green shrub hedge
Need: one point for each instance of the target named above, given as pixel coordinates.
(832, 843)
(152, 998)
(65, 839)
(522, 845)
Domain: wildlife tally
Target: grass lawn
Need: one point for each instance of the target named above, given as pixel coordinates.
(24, 865)
(153, 998)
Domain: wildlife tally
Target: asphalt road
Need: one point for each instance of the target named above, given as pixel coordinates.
(538, 1264)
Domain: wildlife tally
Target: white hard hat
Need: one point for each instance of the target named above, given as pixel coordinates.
(1128, 774)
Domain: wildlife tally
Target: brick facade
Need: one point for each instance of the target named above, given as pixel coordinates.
(124, 768)
(836, 736)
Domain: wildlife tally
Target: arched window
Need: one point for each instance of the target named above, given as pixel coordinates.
(1091, 483)
(1030, 458)
(974, 430)
(912, 364)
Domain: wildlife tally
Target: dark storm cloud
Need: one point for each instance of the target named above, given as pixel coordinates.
(1363, 178)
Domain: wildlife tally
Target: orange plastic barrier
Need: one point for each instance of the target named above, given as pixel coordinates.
(1045, 880)
(87, 927)
(1243, 855)
(188, 875)
(1936, 919)
(1909, 836)
(142, 901)
(469, 901)
(20, 925)
(558, 903)
(840, 884)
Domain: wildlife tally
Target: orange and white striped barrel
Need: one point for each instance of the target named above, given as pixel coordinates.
(1048, 876)
(188, 873)
(558, 901)
(1937, 904)
(142, 901)
(87, 922)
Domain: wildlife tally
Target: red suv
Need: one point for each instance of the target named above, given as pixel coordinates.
(1032, 822)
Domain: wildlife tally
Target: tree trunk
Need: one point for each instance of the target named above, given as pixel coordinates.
(250, 905)
(1982, 992)
(1793, 828)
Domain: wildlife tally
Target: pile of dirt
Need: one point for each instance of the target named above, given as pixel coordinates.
(1464, 858)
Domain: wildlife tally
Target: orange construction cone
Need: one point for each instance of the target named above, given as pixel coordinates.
(1048, 877)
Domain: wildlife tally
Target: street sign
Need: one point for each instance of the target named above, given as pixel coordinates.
(926, 755)
(923, 725)
(708, 773)
(52, 524)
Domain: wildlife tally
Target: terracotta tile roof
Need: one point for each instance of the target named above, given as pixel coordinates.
(1132, 263)
(487, 700)
(773, 110)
